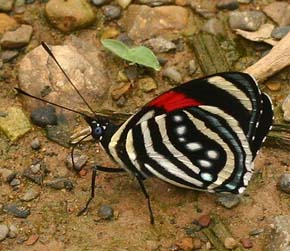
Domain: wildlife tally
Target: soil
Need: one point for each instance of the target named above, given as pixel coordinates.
(54, 217)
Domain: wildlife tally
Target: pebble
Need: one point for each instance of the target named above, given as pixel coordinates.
(17, 211)
(286, 108)
(112, 11)
(31, 240)
(244, 1)
(256, 231)
(186, 244)
(192, 67)
(160, 44)
(227, 5)
(173, 74)
(204, 220)
(13, 231)
(18, 38)
(279, 12)
(36, 172)
(7, 175)
(6, 5)
(44, 116)
(7, 23)
(132, 72)
(79, 161)
(280, 32)
(284, 183)
(124, 38)
(61, 183)
(154, 3)
(174, 247)
(214, 26)
(123, 3)
(247, 243)
(15, 182)
(120, 90)
(106, 212)
(35, 144)
(147, 84)
(230, 243)
(246, 20)
(4, 230)
(228, 200)
(70, 15)
(99, 2)
(30, 195)
(29, 1)
(8, 55)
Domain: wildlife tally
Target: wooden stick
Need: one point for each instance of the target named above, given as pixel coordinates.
(277, 59)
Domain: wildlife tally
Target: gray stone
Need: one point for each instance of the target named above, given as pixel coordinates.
(30, 195)
(284, 183)
(35, 144)
(70, 15)
(6, 5)
(17, 211)
(280, 32)
(18, 38)
(228, 200)
(99, 2)
(44, 116)
(160, 44)
(142, 22)
(106, 212)
(13, 231)
(8, 55)
(83, 63)
(280, 235)
(214, 26)
(245, 1)
(15, 182)
(279, 12)
(79, 161)
(36, 172)
(286, 108)
(192, 67)
(4, 230)
(61, 183)
(15, 124)
(173, 74)
(112, 11)
(6, 174)
(227, 5)
(246, 20)
(155, 2)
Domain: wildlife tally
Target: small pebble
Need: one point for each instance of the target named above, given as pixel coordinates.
(230, 243)
(197, 243)
(16, 210)
(35, 144)
(246, 20)
(106, 212)
(121, 89)
(227, 5)
(279, 32)
(13, 231)
(192, 67)
(132, 72)
(4, 230)
(160, 44)
(256, 232)
(15, 182)
(173, 74)
(61, 183)
(31, 240)
(147, 84)
(246, 242)
(79, 161)
(30, 195)
(99, 2)
(36, 172)
(124, 38)
(204, 220)
(228, 200)
(112, 11)
(214, 26)
(284, 183)
(286, 108)
(29, 1)
(44, 116)
(7, 175)
(186, 244)
(174, 247)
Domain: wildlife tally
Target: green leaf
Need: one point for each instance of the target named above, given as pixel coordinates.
(139, 55)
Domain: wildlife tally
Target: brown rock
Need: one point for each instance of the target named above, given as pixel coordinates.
(120, 90)
(246, 242)
(279, 12)
(186, 244)
(204, 220)
(142, 22)
(230, 243)
(7, 23)
(273, 86)
(31, 240)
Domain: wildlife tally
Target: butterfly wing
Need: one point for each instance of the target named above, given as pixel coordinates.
(203, 134)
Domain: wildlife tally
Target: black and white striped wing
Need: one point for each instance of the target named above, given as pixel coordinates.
(202, 135)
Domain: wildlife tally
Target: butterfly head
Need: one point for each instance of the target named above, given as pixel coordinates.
(99, 126)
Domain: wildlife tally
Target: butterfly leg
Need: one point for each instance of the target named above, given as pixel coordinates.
(140, 181)
(93, 183)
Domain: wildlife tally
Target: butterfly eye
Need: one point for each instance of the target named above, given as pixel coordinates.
(98, 131)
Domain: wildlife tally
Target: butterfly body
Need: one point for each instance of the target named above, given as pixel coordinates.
(203, 134)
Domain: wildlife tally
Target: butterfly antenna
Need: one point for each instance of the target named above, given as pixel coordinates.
(20, 91)
(47, 49)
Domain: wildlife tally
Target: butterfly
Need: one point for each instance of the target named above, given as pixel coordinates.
(203, 134)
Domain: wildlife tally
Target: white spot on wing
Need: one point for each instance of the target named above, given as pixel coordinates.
(212, 154)
(181, 130)
(181, 139)
(242, 189)
(177, 118)
(204, 163)
(206, 176)
(193, 146)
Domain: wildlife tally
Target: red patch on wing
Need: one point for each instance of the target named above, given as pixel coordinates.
(172, 100)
